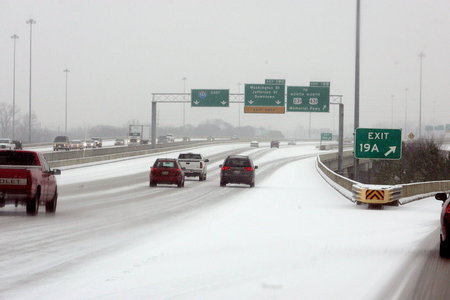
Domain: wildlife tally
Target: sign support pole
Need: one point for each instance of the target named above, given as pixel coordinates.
(153, 122)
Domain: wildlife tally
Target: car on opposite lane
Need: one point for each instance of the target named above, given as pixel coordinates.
(274, 144)
(166, 171)
(237, 169)
(254, 144)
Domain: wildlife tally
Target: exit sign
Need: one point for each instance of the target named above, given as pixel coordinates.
(378, 143)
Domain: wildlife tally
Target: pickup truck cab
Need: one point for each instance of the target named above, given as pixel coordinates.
(26, 179)
(194, 165)
(61, 142)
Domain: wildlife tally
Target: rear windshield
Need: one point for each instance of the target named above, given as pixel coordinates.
(18, 158)
(238, 162)
(4, 141)
(189, 156)
(165, 164)
(61, 139)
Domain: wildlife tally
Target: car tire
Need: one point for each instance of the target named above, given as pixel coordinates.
(50, 207)
(252, 184)
(443, 249)
(180, 184)
(222, 183)
(33, 205)
(152, 183)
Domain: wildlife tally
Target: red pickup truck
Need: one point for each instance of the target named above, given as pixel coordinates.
(26, 179)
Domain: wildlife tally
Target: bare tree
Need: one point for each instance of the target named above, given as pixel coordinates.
(6, 114)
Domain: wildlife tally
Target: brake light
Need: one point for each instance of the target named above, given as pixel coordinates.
(248, 169)
(225, 168)
(201, 165)
(447, 210)
(178, 170)
(152, 170)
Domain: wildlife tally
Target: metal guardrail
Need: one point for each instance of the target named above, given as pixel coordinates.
(403, 193)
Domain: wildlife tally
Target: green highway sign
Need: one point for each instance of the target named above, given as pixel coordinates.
(377, 143)
(319, 83)
(439, 127)
(264, 98)
(210, 98)
(429, 127)
(308, 99)
(276, 81)
(326, 136)
(447, 127)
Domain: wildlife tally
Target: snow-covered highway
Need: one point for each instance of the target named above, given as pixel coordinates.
(290, 237)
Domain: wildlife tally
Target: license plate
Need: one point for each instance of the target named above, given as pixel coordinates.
(165, 172)
(236, 172)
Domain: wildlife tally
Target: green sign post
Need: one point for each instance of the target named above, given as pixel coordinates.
(319, 83)
(308, 99)
(264, 98)
(210, 98)
(326, 136)
(378, 143)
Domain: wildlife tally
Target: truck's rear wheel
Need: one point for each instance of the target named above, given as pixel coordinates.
(33, 205)
(50, 207)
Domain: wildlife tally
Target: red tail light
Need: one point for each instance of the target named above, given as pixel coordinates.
(152, 170)
(447, 210)
(178, 170)
(248, 169)
(225, 168)
(201, 165)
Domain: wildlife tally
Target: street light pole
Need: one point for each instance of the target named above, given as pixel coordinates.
(14, 37)
(239, 106)
(31, 22)
(392, 111)
(421, 56)
(356, 120)
(406, 110)
(184, 104)
(65, 123)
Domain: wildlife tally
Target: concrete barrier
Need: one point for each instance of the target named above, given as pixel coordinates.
(68, 158)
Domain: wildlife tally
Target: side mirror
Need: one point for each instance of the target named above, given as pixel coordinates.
(256, 167)
(441, 196)
(206, 160)
(220, 166)
(55, 172)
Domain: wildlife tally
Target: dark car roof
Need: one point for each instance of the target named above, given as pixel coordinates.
(238, 156)
(166, 159)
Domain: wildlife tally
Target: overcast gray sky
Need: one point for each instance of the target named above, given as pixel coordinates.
(119, 52)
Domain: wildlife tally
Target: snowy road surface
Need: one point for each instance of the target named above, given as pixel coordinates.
(290, 237)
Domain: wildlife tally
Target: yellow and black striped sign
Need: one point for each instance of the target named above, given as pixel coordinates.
(375, 195)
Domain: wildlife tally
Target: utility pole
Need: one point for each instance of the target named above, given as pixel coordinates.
(392, 111)
(356, 120)
(406, 111)
(184, 104)
(239, 106)
(14, 37)
(31, 22)
(421, 56)
(65, 123)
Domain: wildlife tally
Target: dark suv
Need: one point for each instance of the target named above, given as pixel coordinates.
(237, 169)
